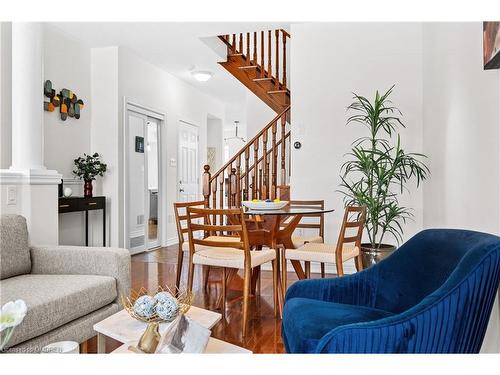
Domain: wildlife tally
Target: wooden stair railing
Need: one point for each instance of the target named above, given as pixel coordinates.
(256, 171)
(253, 58)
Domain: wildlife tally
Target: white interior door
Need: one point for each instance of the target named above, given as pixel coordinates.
(188, 173)
(143, 190)
(136, 183)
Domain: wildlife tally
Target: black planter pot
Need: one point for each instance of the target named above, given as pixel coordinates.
(371, 255)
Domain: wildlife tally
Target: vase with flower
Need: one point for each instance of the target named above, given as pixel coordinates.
(87, 168)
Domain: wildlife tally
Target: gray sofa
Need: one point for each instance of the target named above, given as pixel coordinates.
(67, 289)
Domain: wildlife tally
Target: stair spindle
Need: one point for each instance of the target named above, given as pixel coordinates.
(265, 164)
(255, 48)
(262, 71)
(261, 184)
(248, 50)
(277, 33)
(283, 149)
(241, 43)
(274, 181)
(214, 200)
(234, 43)
(284, 59)
(255, 181)
(221, 191)
(247, 188)
(238, 181)
(269, 57)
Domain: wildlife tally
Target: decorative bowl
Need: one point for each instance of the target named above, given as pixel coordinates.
(263, 205)
(151, 337)
(184, 300)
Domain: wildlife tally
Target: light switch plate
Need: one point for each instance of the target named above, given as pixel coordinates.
(11, 196)
(173, 162)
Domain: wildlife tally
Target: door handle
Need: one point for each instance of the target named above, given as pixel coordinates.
(181, 190)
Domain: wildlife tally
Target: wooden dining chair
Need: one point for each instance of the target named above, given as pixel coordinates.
(231, 255)
(318, 224)
(347, 247)
(311, 223)
(181, 219)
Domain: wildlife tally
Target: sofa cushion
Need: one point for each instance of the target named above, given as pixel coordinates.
(54, 300)
(306, 321)
(14, 250)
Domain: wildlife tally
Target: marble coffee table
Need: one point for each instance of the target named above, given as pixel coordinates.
(127, 330)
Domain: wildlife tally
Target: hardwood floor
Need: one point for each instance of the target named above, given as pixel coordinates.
(158, 267)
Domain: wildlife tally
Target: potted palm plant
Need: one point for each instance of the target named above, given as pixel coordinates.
(378, 172)
(87, 168)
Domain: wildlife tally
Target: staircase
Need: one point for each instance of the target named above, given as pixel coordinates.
(261, 168)
(254, 60)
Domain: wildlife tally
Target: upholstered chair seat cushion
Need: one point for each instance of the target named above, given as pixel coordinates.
(232, 258)
(320, 252)
(298, 241)
(307, 320)
(54, 300)
(14, 249)
(185, 245)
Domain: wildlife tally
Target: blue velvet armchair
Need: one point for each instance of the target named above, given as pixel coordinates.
(433, 295)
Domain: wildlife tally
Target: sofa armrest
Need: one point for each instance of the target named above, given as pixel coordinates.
(78, 260)
(357, 289)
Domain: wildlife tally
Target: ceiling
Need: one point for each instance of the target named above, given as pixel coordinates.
(176, 47)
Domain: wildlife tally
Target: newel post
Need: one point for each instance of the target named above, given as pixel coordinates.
(206, 184)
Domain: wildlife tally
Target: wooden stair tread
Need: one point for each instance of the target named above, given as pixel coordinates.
(277, 92)
(248, 67)
(263, 79)
(235, 54)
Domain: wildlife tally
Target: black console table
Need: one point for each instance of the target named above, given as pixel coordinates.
(82, 204)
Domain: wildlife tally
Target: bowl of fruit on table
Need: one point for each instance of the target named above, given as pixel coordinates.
(268, 204)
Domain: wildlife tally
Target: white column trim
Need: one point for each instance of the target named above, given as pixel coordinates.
(29, 177)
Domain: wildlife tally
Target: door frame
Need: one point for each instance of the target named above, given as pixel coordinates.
(140, 109)
(179, 158)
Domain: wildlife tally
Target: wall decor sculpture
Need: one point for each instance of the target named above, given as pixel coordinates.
(66, 100)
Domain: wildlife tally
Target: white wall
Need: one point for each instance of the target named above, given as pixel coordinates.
(461, 137)
(361, 58)
(258, 114)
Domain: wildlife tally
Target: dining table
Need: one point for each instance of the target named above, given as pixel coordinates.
(274, 228)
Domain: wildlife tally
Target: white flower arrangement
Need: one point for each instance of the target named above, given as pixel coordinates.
(11, 316)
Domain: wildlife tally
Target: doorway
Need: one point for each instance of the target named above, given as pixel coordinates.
(143, 179)
(188, 168)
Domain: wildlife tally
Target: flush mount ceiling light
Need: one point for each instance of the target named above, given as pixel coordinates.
(202, 76)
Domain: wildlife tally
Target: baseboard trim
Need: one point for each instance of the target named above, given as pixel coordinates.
(172, 241)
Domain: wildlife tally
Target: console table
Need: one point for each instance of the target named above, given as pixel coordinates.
(82, 204)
